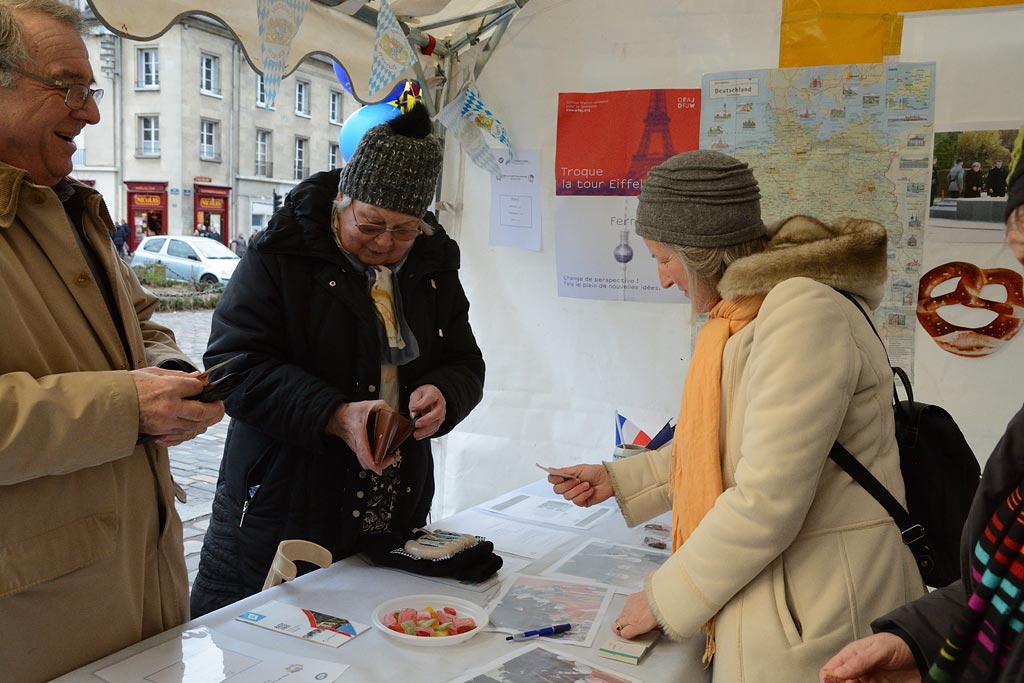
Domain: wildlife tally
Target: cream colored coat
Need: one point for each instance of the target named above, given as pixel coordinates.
(795, 558)
(91, 555)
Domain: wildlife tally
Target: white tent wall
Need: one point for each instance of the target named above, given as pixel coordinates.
(559, 368)
(978, 55)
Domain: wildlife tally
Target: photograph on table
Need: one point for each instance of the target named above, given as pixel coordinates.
(538, 663)
(548, 510)
(529, 602)
(622, 567)
(203, 656)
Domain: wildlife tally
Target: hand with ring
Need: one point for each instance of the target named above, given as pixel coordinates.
(636, 618)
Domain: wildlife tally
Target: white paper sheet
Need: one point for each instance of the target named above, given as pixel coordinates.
(202, 656)
(547, 510)
(537, 662)
(525, 540)
(516, 202)
(622, 567)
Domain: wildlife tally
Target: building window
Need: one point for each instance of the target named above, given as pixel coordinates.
(301, 158)
(149, 136)
(148, 68)
(261, 91)
(264, 165)
(209, 150)
(335, 108)
(209, 74)
(333, 157)
(302, 98)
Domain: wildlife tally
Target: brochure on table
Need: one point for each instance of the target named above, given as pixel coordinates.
(307, 624)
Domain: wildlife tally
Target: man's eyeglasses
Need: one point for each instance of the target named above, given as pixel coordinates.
(375, 230)
(77, 94)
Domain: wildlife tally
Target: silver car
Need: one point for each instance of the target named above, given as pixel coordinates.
(188, 258)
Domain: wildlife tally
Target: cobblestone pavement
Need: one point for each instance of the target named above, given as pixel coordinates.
(195, 463)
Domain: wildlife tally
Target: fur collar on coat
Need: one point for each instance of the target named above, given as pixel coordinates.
(849, 254)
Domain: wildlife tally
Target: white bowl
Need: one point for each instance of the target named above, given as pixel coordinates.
(463, 607)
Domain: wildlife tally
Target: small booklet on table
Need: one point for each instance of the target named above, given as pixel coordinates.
(302, 623)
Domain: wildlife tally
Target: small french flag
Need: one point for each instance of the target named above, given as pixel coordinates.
(627, 432)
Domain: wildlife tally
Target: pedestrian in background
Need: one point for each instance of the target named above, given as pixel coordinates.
(974, 181)
(956, 179)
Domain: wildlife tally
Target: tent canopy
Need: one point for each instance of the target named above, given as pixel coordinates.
(343, 30)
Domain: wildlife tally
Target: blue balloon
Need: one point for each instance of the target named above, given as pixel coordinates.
(342, 77)
(346, 83)
(361, 121)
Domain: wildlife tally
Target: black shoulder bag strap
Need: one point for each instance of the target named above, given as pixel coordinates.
(912, 532)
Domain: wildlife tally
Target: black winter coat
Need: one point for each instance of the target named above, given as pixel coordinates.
(303, 316)
(925, 622)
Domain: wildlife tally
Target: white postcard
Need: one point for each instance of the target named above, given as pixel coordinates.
(307, 624)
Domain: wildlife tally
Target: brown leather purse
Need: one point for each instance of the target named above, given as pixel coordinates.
(390, 430)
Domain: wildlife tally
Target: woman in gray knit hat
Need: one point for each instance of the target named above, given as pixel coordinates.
(778, 554)
(348, 305)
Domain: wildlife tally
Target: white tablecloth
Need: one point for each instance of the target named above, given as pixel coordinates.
(352, 588)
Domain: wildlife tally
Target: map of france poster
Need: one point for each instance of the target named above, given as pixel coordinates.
(846, 140)
(607, 142)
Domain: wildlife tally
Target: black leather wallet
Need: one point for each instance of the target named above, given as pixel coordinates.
(218, 390)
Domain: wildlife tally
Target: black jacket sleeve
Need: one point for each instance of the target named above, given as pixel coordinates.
(278, 396)
(926, 622)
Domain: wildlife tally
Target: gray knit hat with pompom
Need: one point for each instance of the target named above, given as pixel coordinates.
(396, 164)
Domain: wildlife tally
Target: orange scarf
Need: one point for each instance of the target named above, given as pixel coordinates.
(696, 458)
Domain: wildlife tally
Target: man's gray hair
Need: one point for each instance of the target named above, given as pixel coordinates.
(13, 48)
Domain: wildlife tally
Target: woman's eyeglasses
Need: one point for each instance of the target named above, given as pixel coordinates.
(401, 234)
(77, 94)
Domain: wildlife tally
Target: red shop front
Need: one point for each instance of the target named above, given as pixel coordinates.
(212, 205)
(147, 211)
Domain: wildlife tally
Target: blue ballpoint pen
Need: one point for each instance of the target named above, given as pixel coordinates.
(546, 631)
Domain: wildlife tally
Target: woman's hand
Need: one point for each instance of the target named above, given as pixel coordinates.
(589, 485)
(349, 424)
(427, 405)
(636, 618)
(881, 658)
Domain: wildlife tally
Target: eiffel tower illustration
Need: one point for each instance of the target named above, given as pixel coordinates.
(655, 128)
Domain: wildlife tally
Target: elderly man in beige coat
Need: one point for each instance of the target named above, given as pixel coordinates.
(91, 556)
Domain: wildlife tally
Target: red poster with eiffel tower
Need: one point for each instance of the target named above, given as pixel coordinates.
(608, 141)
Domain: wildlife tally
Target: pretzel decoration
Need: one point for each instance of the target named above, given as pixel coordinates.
(971, 341)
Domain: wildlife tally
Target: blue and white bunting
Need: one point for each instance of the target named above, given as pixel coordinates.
(279, 21)
(468, 118)
(392, 54)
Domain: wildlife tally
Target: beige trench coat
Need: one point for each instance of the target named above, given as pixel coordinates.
(795, 558)
(91, 555)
